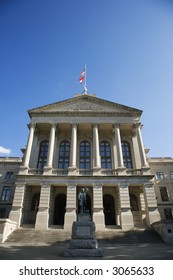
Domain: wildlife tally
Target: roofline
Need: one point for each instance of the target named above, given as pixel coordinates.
(84, 96)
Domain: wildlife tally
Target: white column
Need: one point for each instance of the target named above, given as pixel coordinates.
(96, 151)
(119, 148)
(43, 212)
(141, 145)
(70, 215)
(73, 150)
(126, 214)
(98, 215)
(152, 213)
(48, 167)
(18, 201)
(28, 148)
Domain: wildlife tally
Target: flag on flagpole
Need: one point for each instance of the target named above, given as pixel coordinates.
(82, 76)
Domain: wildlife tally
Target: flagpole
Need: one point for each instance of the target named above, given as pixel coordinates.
(85, 88)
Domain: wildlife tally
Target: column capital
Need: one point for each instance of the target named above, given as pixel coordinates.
(32, 125)
(97, 185)
(116, 125)
(74, 124)
(53, 124)
(137, 125)
(95, 125)
(73, 185)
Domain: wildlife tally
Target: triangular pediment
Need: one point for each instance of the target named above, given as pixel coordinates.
(85, 103)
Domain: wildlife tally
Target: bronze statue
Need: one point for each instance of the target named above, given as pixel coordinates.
(82, 200)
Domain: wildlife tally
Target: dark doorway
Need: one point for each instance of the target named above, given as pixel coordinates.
(109, 209)
(59, 209)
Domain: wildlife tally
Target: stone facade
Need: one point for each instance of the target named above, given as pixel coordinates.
(88, 142)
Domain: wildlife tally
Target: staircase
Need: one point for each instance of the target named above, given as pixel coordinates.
(31, 236)
(138, 236)
(23, 236)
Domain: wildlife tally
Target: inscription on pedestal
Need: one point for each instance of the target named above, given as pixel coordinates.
(83, 230)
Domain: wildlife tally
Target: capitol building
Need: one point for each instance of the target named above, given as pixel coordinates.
(85, 141)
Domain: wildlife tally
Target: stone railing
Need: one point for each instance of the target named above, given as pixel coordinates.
(134, 172)
(84, 172)
(88, 172)
(60, 172)
(7, 226)
(109, 172)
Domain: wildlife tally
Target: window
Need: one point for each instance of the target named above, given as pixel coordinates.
(171, 175)
(164, 194)
(85, 157)
(42, 158)
(64, 155)
(159, 175)
(105, 152)
(168, 213)
(126, 154)
(5, 196)
(9, 175)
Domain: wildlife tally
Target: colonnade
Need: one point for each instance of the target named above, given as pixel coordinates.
(138, 147)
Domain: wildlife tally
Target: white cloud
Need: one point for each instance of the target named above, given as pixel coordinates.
(4, 151)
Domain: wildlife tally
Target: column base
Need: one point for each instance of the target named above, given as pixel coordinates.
(23, 170)
(72, 171)
(42, 220)
(47, 170)
(97, 171)
(126, 220)
(70, 217)
(99, 219)
(152, 216)
(16, 216)
(121, 170)
(146, 170)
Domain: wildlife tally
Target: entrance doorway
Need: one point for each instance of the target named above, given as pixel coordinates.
(59, 209)
(109, 209)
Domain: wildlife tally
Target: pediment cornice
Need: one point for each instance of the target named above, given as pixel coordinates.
(84, 105)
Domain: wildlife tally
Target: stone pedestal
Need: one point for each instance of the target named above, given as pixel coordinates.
(83, 242)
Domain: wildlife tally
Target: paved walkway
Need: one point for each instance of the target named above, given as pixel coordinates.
(110, 252)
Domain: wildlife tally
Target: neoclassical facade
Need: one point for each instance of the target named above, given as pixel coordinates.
(88, 142)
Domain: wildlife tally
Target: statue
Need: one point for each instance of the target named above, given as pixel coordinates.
(82, 200)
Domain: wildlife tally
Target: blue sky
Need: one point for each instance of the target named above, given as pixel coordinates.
(127, 46)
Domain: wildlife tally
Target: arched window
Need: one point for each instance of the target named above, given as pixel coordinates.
(42, 158)
(64, 155)
(105, 152)
(134, 202)
(126, 154)
(85, 155)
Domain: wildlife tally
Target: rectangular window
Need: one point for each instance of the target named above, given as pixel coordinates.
(171, 175)
(168, 213)
(159, 175)
(5, 196)
(164, 194)
(9, 175)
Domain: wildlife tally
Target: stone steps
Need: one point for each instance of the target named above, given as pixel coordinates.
(32, 236)
(56, 236)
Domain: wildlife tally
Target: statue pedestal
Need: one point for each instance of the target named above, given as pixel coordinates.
(83, 242)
